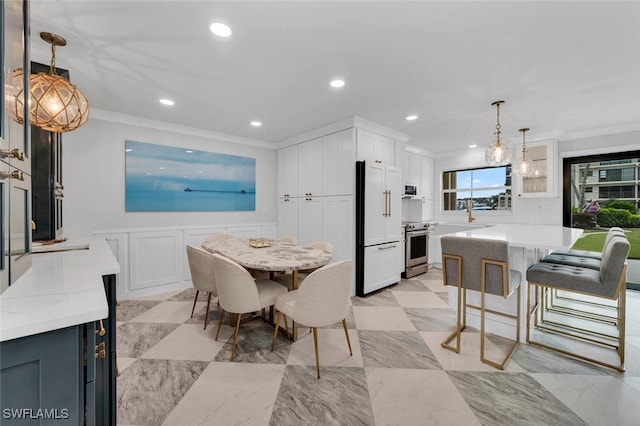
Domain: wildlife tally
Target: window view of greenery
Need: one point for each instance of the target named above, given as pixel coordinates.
(606, 194)
(487, 188)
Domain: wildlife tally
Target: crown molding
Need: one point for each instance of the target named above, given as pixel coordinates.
(116, 117)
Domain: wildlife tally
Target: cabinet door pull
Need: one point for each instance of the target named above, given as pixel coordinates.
(12, 153)
(387, 247)
(101, 331)
(12, 175)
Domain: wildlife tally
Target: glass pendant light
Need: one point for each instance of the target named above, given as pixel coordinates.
(498, 153)
(54, 103)
(523, 166)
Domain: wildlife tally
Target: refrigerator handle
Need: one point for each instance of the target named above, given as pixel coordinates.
(389, 196)
(384, 194)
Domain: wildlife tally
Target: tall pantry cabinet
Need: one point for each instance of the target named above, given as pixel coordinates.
(315, 187)
(15, 156)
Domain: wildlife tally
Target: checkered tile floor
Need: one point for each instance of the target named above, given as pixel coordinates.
(174, 373)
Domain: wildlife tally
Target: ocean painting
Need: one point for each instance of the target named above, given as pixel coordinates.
(162, 178)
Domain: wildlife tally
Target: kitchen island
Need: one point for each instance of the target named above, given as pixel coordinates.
(527, 245)
(57, 337)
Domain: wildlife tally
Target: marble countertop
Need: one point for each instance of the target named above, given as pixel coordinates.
(280, 256)
(550, 237)
(61, 289)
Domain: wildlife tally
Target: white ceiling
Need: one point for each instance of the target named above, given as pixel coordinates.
(563, 68)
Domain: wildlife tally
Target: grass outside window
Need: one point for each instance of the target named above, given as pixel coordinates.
(593, 240)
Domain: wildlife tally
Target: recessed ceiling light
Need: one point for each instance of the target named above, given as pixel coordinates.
(473, 146)
(221, 30)
(128, 150)
(412, 117)
(256, 123)
(189, 151)
(337, 83)
(168, 102)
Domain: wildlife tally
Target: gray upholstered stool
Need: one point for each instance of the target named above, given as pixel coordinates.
(481, 265)
(613, 232)
(609, 282)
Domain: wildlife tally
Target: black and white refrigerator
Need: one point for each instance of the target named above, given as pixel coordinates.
(379, 239)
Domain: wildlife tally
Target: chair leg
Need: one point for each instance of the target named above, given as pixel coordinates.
(194, 303)
(219, 324)
(346, 333)
(461, 321)
(235, 337)
(275, 330)
(286, 327)
(315, 344)
(206, 315)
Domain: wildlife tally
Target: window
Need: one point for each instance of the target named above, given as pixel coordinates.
(617, 175)
(588, 189)
(487, 188)
(617, 191)
(586, 173)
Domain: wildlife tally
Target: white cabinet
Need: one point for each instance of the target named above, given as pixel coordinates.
(287, 216)
(542, 183)
(383, 203)
(426, 190)
(288, 172)
(338, 163)
(310, 168)
(309, 220)
(337, 225)
(413, 170)
(373, 147)
(381, 266)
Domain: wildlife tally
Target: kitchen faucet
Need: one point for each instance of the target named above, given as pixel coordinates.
(469, 204)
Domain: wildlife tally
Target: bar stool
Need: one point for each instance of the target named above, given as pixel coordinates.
(481, 265)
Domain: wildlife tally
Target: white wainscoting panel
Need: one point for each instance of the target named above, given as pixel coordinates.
(119, 244)
(158, 258)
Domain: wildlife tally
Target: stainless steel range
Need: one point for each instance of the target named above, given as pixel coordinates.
(416, 248)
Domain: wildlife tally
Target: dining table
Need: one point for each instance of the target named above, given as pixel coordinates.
(271, 256)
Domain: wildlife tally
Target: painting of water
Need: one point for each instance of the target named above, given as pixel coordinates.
(163, 178)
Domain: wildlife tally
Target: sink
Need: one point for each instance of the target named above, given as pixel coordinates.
(450, 228)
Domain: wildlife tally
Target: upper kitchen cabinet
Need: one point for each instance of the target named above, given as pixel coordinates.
(310, 168)
(427, 179)
(375, 148)
(288, 172)
(542, 182)
(412, 170)
(338, 160)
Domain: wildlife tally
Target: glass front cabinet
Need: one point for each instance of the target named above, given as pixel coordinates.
(542, 182)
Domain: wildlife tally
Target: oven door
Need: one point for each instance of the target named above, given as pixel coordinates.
(417, 248)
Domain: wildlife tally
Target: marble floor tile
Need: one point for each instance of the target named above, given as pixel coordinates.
(166, 312)
(410, 285)
(351, 322)
(634, 382)
(599, 400)
(134, 339)
(254, 346)
(123, 363)
(190, 342)
(432, 319)
(149, 389)
(395, 349)
(511, 399)
(161, 297)
(230, 394)
(339, 397)
(129, 309)
(382, 318)
(434, 284)
(444, 296)
(423, 299)
(381, 298)
(198, 314)
(332, 349)
(188, 295)
(469, 357)
(416, 397)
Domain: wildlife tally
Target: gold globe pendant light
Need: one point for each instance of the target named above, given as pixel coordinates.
(499, 152)
(54, 103)
(524, 166)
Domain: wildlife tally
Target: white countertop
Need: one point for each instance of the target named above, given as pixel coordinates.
(61, 289)
(550, 237)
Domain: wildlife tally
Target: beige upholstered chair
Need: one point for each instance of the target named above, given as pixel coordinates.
(239, 293)
(322, 299)
(219, 236)
(202, 276)
(288, 239)
(481, 265)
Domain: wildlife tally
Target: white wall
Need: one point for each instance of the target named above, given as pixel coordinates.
(528, 210)
(94, 179)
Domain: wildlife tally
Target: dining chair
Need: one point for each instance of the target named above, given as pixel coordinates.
(322, 299)
(239, 293)
(481, 265)
(202, 276)
(218, 236)
(320, 245)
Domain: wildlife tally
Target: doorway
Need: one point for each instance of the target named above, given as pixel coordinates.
(611, 182)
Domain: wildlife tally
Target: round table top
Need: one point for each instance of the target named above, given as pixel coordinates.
(280, 256)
